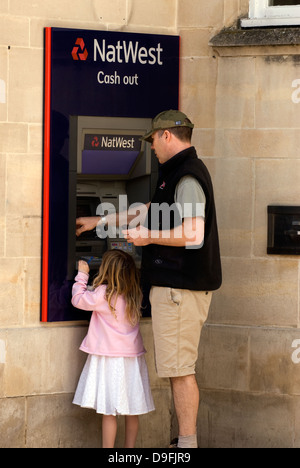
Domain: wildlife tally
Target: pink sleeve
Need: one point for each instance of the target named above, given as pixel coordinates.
(81, 297)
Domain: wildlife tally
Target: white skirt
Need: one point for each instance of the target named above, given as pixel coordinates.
(115, 385)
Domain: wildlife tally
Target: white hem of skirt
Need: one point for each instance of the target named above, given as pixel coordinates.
(115, 386)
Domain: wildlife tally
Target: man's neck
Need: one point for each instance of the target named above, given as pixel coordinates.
(178, 148)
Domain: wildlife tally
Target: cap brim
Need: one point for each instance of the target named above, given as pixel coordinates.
(147, 137)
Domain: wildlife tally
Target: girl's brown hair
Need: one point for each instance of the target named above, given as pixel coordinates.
(120, 275)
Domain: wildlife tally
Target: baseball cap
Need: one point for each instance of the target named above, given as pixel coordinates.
(168, 119)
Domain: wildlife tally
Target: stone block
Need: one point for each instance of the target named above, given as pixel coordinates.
(3, 83)
(35, 135)
(198, 90)
(24, 187)
(32, 291)
(2, 364)
(43, 360)
(244, 420)
(54, 422)
(234, 221)
(4, 6)
(14, 30)
(257, 292)
(2, 202)
(25, 92)
(231, 12)
(200, 14)
(259, 144)
(194, 42)
(12, 422)
(11, 291)
(161, 13)
(223, 358)
(114, 11)
(274, 361)
(275, 77)
(235, 93)
(23, 236)
(13, 138)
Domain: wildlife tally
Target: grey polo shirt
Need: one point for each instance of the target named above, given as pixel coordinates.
(189, 194)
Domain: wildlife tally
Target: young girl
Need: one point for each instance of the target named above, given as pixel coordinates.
(115, 377)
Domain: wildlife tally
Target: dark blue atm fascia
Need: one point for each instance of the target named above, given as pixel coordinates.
(76, 90)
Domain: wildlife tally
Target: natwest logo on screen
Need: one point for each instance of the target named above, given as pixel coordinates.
(79, 51)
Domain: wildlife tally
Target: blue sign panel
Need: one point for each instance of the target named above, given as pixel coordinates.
(93, 73)
(114, 73)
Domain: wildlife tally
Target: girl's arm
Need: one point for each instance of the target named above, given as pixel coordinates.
(81, 297)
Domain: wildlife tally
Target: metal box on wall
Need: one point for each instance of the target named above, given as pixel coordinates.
(284, 230)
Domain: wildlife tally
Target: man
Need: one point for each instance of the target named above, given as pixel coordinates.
(181, 260)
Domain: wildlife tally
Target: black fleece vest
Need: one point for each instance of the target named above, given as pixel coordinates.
(179, 267)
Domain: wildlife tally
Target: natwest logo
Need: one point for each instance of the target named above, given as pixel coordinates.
(79, 51)
(121, 52)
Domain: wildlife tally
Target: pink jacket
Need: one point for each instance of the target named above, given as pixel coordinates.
(107, 335)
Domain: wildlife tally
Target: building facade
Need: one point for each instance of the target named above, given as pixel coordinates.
(241, 88)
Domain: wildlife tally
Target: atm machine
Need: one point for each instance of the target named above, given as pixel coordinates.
(110, 169)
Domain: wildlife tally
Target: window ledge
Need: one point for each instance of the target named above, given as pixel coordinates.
(265, 40)
(264, 22)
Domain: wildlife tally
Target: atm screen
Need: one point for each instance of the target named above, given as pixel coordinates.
(87, 206)
(109, 153)
(84, 209)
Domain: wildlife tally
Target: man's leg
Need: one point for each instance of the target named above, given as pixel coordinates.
(186, 400)
(177, 320)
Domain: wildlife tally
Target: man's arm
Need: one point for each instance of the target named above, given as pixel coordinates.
(86, 224)
(120, 219)
(189, 233)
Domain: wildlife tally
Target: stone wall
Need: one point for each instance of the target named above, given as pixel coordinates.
(249, 366)
(245, 106)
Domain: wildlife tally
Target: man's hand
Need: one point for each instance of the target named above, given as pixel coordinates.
(86, 224)
(139, 236)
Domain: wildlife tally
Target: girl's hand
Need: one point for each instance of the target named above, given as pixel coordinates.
(83, 267)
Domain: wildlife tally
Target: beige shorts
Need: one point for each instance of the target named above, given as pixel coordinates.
(178, 316)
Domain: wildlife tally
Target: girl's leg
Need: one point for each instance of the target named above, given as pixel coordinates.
(109, 431)
(131, 430)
